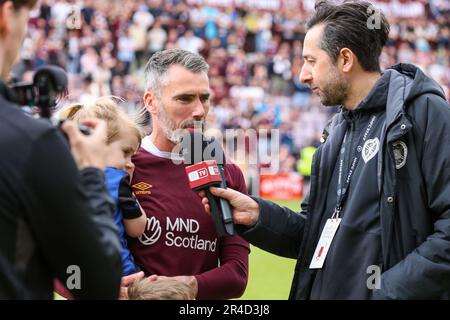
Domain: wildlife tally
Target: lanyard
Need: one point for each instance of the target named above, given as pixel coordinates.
(342, 190)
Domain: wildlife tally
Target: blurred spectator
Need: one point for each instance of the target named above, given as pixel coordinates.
(156, 37)
(191, 42)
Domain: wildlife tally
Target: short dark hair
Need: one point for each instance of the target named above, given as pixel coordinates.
(348, 25)
(21, 3)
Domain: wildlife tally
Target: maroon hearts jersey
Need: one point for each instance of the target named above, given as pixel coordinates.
(180, 237)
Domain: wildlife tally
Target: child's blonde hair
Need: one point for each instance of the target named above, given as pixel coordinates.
(107, 109)
(163, 289)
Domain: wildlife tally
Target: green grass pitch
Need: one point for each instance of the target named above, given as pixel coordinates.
(270, 276)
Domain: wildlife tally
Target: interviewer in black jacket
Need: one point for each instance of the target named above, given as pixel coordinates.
(56, 219)
(383, 169)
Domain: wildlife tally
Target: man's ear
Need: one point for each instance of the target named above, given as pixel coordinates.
(6, 9)
(346, 59)
(150, 102)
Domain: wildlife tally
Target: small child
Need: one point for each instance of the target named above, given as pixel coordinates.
(123, 138)
(161, 289)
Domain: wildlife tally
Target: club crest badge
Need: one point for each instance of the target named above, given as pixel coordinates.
(370, 149)
(400, 153)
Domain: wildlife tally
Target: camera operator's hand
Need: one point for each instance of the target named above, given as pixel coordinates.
(88, 150)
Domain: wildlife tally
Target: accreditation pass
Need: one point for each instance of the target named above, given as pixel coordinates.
(329, 230)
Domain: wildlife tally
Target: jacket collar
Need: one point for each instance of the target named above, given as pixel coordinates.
(373, 102)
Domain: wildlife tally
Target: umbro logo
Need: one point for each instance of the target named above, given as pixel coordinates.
(142, 188)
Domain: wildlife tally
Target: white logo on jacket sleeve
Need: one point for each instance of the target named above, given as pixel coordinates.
(152, 232)
(400, 153)
(370, 149)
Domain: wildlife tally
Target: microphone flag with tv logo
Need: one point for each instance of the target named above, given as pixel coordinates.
(205, 160)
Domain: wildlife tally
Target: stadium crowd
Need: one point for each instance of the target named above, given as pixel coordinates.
(255, 56)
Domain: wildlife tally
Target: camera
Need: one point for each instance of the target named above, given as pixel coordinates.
(48, 85)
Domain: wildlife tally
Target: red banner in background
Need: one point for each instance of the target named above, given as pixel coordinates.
(282, 186)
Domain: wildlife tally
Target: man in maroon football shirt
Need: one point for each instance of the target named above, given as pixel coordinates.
(180, 239)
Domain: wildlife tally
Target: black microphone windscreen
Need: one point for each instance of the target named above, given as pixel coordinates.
(214, 151)
(192, 145)
(195, 147)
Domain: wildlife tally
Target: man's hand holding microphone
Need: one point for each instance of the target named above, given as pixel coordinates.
(206, 159)
(245, 210)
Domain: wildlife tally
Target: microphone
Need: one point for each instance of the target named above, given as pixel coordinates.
(206, 169)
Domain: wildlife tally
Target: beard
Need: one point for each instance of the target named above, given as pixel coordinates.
(335, 91)
(175, 133)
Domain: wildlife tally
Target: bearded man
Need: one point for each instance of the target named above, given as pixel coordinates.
(180, 240)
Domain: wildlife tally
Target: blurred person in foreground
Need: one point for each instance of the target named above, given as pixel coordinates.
(376, 223)
(180, 239)
(55, 213)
